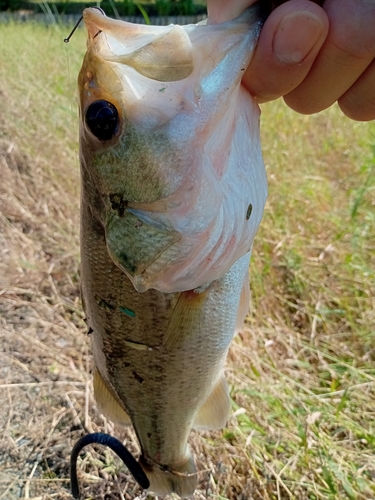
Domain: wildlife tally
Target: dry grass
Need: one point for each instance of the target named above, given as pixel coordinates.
(303, 370)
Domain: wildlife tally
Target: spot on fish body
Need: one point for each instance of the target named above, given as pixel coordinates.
(249, 210)
(127, 311)
(118, 204)
(137, 345)
(104, 304)
(127, 263)
(137, 377)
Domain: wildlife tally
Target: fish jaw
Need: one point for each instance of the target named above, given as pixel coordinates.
(185, 160)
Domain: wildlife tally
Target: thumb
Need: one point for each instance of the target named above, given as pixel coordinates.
(288, 45)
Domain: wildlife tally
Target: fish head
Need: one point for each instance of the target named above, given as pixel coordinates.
(159, 139)
(121, 83)
(123, 62)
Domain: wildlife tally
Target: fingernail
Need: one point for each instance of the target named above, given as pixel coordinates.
(296, 35)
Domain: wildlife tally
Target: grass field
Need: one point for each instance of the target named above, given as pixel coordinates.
(302, 372)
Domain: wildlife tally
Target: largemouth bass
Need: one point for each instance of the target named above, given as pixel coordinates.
(173, 191)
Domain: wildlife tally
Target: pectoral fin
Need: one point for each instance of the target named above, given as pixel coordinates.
(107, 401)
(213, 414)
(186, 318)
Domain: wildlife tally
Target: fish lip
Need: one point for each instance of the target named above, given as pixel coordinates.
(96, 20)
(262, 9)
(89, 15)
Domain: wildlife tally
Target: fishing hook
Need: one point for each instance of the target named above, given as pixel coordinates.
(105, 439)
(67, 39)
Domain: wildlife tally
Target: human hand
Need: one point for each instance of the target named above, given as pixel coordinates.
(313, 53)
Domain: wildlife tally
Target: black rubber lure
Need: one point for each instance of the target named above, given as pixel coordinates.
(106, 440)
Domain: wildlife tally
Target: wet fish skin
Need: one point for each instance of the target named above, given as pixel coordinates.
(160, 203)
(160, 388)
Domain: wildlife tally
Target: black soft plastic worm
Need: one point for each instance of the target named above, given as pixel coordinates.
(106, 440)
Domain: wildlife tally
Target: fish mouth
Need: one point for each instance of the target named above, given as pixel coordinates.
(161, 53)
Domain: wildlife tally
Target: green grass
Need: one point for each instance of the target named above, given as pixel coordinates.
(302, 372)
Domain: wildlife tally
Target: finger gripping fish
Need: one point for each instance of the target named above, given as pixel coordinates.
(173, 191)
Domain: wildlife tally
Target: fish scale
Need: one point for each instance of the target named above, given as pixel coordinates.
(173, 191)
(180, 377)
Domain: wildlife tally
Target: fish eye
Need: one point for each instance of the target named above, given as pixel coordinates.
(102, 119)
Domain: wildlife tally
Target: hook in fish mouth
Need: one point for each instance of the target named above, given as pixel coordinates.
(105, 439)
(67, 39)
